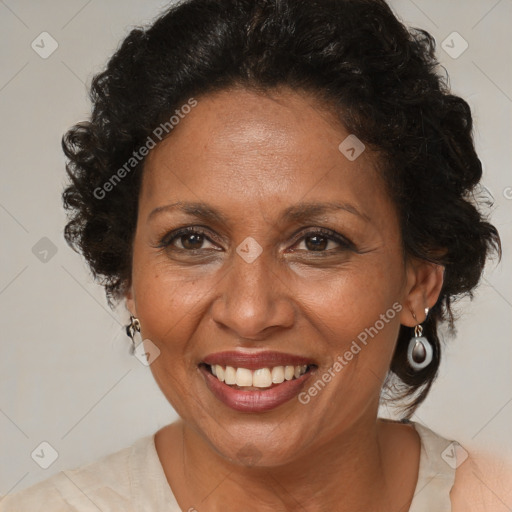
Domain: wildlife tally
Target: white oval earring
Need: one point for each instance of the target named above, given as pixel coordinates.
(420, 352)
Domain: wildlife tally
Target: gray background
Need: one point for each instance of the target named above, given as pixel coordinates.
(66, 375)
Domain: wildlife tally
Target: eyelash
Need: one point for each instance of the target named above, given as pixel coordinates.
(165, 242)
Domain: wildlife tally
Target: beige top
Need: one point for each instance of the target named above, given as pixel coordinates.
(133, 480)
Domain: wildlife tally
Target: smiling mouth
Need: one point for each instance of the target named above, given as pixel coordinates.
(256, 380)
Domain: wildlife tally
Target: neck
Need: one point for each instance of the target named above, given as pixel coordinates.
(348, 472)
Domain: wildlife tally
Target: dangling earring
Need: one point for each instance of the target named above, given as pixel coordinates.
(419, 352)
(131, 330)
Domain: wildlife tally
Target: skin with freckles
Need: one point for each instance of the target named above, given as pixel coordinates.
(254, 165)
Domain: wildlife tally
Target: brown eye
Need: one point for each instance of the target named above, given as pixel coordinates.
(323, 241)
(187, 239)
(316, 243)
(192, 241)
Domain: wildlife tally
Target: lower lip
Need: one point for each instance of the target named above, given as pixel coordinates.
(254, 401)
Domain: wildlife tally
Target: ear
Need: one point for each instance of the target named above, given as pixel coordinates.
(130, 301)
(424, 282)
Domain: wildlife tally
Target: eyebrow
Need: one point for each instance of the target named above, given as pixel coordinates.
(200, 210)
(295, 213)
(305, 211)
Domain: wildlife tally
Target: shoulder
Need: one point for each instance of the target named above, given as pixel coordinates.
(104, 484)
(476, 482)
(483, 483)
(450, 478)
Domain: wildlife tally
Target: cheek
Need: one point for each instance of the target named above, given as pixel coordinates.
(353, 297)
(169, 305)
(355, 315)
(169, 301)
(356, 325)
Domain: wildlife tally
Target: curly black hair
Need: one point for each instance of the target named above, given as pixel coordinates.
(380, 79)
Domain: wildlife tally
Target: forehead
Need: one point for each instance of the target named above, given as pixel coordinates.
(244, 148)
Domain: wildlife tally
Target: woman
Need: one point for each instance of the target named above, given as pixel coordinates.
(279, 190)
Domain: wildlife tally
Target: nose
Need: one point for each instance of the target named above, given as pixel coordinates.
(253, 300)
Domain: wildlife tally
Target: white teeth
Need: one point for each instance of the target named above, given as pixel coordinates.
(243, 377)
(260, 378)
(277, 374)
(219, 372)
(230, 375)
(299, 370)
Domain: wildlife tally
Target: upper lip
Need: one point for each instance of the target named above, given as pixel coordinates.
(256, 360)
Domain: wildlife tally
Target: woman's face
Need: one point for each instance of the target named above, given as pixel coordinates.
(293, 248)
